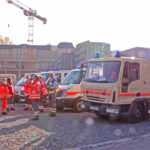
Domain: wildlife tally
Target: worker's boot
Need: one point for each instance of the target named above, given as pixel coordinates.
(36, 117)
(12, 108)
(4, 113)
(26, 108)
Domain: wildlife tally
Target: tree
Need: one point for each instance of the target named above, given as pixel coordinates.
(5, 41)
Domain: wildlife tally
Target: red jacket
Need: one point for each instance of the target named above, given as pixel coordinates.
(35, 90)
(11, 89)
(27, 86)
(4, 92)
(43, 88)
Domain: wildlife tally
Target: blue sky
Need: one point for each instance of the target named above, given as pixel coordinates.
(122, 23)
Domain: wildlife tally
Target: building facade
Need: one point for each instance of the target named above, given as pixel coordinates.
(86, 50)
(65, 54)
(21, 59)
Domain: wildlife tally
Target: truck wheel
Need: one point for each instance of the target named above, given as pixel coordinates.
(136, 114)
(77, 106)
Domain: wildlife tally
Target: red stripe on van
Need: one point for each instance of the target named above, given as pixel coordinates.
(72, 93)
(61, 89)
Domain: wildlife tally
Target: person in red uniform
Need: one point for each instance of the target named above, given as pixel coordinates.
(10, 105)
(43, 94)
(27, 86)
(35, 91)
(4, 95)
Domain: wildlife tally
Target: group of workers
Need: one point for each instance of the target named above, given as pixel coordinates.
(35, 93)
(7, 95)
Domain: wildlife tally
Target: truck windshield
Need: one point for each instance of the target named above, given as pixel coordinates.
(72, 77)
(103, 72)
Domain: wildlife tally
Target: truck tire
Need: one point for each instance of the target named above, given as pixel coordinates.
(77, 105)
(136, 114)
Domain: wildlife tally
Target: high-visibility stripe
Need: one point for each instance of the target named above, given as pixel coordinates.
(97, 93)
(127, 95)
(30, 106)
(145, 94)
(134, 94)
(60, 89)
(72, 93)
(52, 110)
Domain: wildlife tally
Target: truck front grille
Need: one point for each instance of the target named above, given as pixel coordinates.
(59, 93)
(95, 98)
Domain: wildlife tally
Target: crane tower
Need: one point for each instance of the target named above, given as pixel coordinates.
(31, 14)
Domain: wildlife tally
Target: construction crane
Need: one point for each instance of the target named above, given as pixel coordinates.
(31, 14)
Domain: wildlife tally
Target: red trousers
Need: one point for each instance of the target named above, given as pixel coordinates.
(4, 104)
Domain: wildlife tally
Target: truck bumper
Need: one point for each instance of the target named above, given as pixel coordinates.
(64, 102)
(104, 109)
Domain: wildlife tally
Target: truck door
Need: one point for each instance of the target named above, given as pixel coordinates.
(131, 73)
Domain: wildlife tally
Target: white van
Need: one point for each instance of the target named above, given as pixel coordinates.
(69, 94)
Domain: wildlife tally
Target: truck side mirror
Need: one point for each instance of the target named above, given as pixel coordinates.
(125, 81)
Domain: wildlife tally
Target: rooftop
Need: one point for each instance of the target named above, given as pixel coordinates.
(25, 46)
(65, 45)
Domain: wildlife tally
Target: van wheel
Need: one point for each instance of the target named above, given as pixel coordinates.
(60, 109)
(136, 114)
(101, 116)
(77, 106)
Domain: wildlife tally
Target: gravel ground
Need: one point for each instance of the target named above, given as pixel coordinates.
(67, 130)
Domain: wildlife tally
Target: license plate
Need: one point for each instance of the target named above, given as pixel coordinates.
(82, 106)
(94, 108)
(22, 100)
(109, 110)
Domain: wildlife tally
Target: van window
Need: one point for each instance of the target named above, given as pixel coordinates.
(131, 73)
(58, 77)
(72, 77)
(21, 82)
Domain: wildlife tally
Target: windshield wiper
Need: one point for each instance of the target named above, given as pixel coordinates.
(96, 81)
(104, 81)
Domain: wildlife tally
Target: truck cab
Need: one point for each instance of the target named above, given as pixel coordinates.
(117, 87)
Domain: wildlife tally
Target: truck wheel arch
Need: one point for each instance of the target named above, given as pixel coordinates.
(138, 103)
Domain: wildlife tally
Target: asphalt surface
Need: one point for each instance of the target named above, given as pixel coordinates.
(140, 144)
(67, 130)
